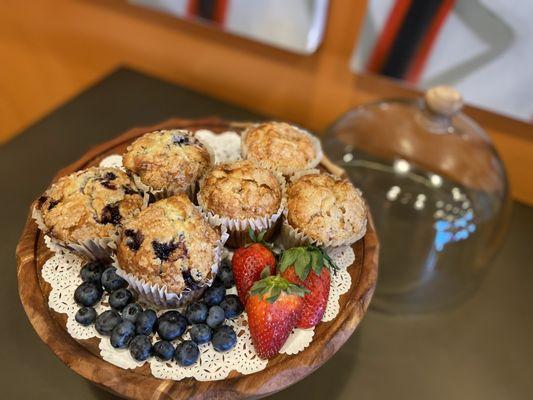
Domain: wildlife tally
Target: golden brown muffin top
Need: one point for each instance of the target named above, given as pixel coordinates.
(240, 190)
(89, 204)
(326, 208)
(280, 146)
(168, 159)
(170, 244)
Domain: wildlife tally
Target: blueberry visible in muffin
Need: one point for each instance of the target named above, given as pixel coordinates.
(133, 239)
(169, 244)
(89, 204)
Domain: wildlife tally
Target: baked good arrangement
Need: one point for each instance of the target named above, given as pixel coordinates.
(208, 255)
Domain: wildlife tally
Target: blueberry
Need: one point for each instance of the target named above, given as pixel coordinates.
(88, 294)
(232, 306)
(163, 350)
(224, 338)
(189, 280)
(110, 176)
(196, 313)
(52, 204)
(141, 347)
(92, 272)
(131, 312)
(134, 239)
(214, 295)
(171, 326)
(111, 281)
(164, 250)
(120, 298)
(106, 322)
(122, 335)
(145, 322)
(85, 316)
(172, 314)
(111, 214)
(215, 316)
(187, 353)
(180, 139)
(225, 274)
(200, 333)
(107, 184)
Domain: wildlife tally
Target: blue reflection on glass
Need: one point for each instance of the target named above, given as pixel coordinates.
(453, 231)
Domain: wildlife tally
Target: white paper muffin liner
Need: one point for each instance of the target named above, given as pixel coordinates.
(238, 228)
(286, 171)
(96, 249)
(293, 237)
(160, 194)
(159, 295)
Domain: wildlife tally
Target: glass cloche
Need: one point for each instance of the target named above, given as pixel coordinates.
(437, 190)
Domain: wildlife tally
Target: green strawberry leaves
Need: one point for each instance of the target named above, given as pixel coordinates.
(265, 272)
(259, 238)
(302, 263)
(305, 259)
(273, 286)
(256, 238)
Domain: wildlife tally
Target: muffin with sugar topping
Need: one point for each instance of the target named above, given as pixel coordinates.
(325, 210)
(168, 161)
(169, 253)
(281, 147)
(85, 211)
(241, 195)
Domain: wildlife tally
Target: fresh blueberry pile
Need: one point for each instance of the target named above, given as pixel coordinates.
(130, 326)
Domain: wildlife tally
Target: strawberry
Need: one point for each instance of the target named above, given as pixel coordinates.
(273, 308)
(248, 262)
(310, 268)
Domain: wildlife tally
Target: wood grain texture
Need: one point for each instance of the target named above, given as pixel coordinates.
(54, 51)
(83, 356)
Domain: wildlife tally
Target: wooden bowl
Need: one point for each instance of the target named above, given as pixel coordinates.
(83, 355)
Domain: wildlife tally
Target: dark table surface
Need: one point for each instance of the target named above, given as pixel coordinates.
(481, 349)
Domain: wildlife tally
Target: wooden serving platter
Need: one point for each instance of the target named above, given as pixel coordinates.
(83, 355)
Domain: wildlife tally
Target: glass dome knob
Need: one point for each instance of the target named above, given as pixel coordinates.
(444, 100)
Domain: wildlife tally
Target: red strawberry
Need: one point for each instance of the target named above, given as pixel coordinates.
(248, 262)
(274, 307)
(310, 268)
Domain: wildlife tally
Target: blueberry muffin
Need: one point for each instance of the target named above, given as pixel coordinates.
(324, 210)
(240, 195)
(281, 147)
(169, 252)
(89, 206)
(169, 161)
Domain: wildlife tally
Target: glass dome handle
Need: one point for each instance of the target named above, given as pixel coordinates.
(444, 100)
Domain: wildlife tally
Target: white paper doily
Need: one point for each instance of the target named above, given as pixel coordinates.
(62, 272)
(226, 145)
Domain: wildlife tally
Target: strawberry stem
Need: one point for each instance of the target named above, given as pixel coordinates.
(274, 285)
(258, 238)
